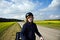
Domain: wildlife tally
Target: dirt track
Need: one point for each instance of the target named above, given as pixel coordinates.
(48, 34)
(10, 33)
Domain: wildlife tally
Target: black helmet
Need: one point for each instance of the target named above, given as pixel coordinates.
(29, 14)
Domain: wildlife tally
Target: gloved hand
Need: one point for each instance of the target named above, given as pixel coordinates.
(41, 38)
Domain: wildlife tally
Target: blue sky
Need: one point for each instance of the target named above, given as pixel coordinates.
(42, 9)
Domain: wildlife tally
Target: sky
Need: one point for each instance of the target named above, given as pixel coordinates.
(41, 9)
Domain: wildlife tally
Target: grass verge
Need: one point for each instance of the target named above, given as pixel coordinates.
(5, 25)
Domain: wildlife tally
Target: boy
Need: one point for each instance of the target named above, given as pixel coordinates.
(29, 29)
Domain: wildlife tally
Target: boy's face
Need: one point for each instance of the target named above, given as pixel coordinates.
(30, 18)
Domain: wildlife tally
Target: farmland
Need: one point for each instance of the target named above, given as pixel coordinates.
(49, 24)
(8, 30)
(4, 26)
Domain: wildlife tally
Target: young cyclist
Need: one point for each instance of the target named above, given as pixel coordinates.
(29, 29)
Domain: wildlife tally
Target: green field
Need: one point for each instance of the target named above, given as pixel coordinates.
(50, 24)
(4, 26)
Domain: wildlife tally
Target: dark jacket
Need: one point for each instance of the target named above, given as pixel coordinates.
(28, 31)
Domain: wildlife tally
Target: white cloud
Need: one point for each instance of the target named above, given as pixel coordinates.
(16, 17)
(20, 7)
(22, 16)
(26, 6)
(53, 16)
(4, 4)
(51, 9)
(7, 11)
(55, 4)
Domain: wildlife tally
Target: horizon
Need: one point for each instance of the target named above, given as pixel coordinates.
(25, 19)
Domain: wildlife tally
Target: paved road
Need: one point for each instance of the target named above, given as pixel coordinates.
(47, 33)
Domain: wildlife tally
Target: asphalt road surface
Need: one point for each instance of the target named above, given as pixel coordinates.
(47, 33)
